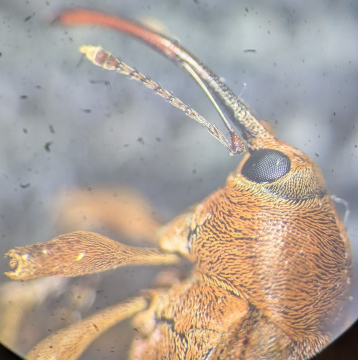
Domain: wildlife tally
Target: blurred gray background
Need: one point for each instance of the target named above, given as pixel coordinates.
(303, 76)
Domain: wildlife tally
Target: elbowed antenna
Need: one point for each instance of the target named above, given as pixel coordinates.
(219, 94)
(100, 57)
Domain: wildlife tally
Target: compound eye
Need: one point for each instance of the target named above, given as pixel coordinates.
(266, 166)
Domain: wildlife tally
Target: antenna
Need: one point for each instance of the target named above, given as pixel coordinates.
(223, 99)
(100, 57)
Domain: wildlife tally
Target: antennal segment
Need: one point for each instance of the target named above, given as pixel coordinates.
(106, 60)
(219, 94)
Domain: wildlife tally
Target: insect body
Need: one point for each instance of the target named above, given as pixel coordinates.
(272, 267)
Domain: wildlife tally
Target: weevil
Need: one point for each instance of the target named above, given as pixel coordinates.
(271, 260)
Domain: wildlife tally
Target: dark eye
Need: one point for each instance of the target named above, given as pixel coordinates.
(265, 166)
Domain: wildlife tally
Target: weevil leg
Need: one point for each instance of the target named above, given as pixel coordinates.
(70, 342)
(79, 253)
(120, 209)
(170, 328)
(174, 236)
(18, 299)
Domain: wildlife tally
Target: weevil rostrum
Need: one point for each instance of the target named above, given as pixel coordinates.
(271, 261)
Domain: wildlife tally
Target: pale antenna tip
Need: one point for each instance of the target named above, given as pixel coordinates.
(89, 50)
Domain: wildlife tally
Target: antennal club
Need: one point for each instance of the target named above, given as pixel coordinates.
(100, 57)
(224, 100)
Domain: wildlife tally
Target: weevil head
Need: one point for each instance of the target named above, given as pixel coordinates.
(280, 169)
